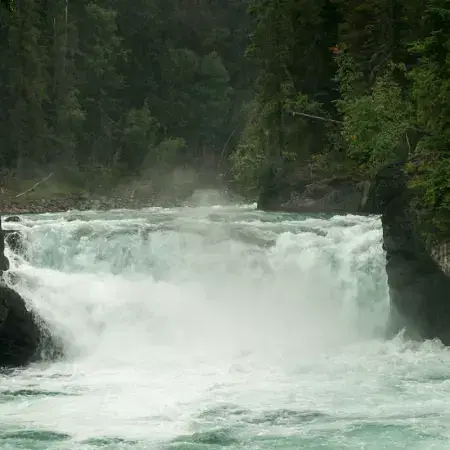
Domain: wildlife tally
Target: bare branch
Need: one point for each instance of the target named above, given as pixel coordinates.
(325, 119)
(222, 154)
(409, 144)
(35, 186)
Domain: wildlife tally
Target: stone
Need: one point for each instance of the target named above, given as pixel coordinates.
(12, 219)
(441, 255)
(4, 262)
(15, 241)
(419, 287)
(19, 332)
(24, 337)
(334, 195)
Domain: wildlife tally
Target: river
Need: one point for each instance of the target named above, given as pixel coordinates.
(214, 327)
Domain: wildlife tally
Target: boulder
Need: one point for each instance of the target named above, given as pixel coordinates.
(24, 337)
(19, 331)
(12, 219)
(333, 195)
(4, 263)
(15, 241)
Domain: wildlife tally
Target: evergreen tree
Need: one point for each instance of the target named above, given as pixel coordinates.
(143, 87)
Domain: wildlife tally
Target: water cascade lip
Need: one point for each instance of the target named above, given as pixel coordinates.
(176, 318)
(205, 277)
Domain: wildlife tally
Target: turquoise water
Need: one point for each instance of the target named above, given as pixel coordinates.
(218, 327)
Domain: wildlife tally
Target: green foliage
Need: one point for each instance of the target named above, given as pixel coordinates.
(140, 135)
(8, 4)
(431, 86)
(166, 154)
(198, 96)
(292, 77)
(371, 87)
(430, 176)
(248, 161)
(250, 158)
(289, 86)
(430, 94)
(105, 84)
(349, 76)
(375, 124)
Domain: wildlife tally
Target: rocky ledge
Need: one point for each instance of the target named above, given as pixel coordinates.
(310, 195)
(418, 273)
(24, 337)
(72, 202)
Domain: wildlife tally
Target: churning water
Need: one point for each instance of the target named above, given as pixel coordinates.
(218, 327)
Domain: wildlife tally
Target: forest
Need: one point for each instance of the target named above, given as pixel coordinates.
(233, 87)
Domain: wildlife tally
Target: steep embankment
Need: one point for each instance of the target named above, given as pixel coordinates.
(418, 271)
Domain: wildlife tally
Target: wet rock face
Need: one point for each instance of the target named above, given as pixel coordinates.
(4, 263)
(12, 219)
(15, 241)
(334, 195)
(339, 196)
(19, 332)
(23, 336)
(419, 287)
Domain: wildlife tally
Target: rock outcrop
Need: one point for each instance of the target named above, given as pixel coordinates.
(4, 262)
(308, 195)
(23, 336)
(417, 274)
(15, 241)
(12, 219)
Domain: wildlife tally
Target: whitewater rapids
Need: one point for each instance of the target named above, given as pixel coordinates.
(210, 327)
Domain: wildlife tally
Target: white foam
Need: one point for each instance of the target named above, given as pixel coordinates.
(164, 320)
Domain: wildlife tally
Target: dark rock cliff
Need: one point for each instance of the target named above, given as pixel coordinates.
(23, 336)
(418, 283)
